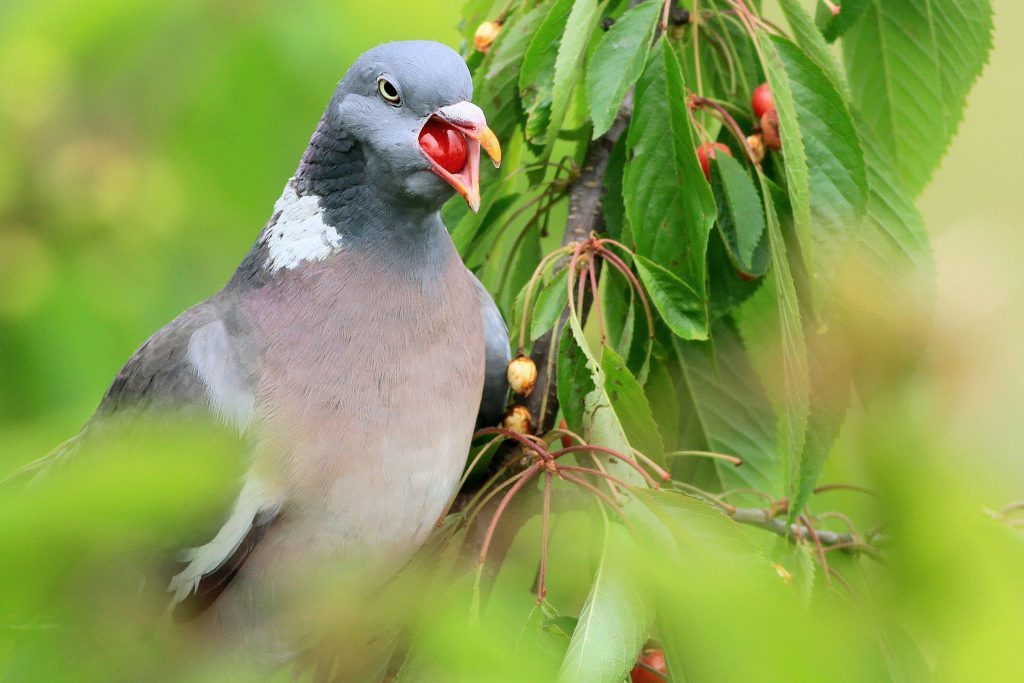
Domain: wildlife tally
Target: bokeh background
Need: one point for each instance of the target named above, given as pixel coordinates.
(142, 146)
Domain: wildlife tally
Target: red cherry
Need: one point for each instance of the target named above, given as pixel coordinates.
(708, 150)
(761, 101)
(653, 658)
(770, 130)
(445, 145)
(566, 440)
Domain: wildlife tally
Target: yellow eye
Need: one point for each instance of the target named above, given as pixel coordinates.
(388, 91)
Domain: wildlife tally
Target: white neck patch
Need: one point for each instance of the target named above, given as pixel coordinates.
(300, 233)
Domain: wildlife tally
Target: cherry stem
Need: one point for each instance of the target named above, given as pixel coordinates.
(705, 496)
(621, 266)
(524, 477)
(708, 454)
(598, 493)
(493, 492)
(597, 473)
(559, 432)
(544, 538)
(611, 487)
(544, 262)
(747, 491)
(597, 301)
(842, 487)
(520, 438)
(608, 451)
(665, 476)
(818, 547)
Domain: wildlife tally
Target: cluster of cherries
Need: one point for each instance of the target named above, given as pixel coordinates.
(766, 135)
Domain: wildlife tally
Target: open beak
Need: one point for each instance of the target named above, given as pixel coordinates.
(464, 130)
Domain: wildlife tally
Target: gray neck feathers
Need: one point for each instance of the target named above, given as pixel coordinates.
(363, 217)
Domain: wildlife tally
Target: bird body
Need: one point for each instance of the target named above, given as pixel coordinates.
(350, 348)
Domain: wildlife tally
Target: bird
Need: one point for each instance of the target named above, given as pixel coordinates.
(352, 348)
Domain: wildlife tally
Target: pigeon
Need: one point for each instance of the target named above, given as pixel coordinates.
(352, 347)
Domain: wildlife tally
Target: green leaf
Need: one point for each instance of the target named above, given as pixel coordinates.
(537, 76)
(809, 38)
(575, 382)
(911, 65)
(618, 62)
(732, 410)
(833, 27)
(679, 306)
(631, 406)
(740, 215)
(571, 50)
(773, 332)
(614, 622)
(823, 158)
(496, 81)
(668, 200)
(550, 303)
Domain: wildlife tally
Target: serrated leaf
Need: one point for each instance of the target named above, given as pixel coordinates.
(740, 215)
(773, 332)
(537, 76)
(668, 200)
(496, 80)
(678, 305)
(618, 62)
(834, 26)
(571, 50)
(911, 65)
(631, 406)
(614, 622)
(550, 303)
(824, 162)
(575, 382)
(809, 38)
(732, 410)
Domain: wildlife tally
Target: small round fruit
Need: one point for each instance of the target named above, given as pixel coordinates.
(518, 419)
(770, 130)
(706, 152)
(522, 375)
(761, 101)
(755, 143)
(651, 659)
(485, 35)
(566, 440)
(445, 145)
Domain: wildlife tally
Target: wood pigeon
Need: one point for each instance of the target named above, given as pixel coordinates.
(352, 347)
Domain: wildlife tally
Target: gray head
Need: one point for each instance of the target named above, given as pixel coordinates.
(404, 108)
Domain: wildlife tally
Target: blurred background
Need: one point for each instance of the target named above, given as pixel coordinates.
(142, 146)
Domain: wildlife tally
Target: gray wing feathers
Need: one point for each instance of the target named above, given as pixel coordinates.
(495, 394)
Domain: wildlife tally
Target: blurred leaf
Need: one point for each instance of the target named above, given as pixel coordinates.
(679, 306)
(668, 200)
(740, 216)
(910, 67)
(618, 62)
(630, 404)
(614, 622)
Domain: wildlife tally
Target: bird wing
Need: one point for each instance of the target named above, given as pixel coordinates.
(495, 394)
(192, 363)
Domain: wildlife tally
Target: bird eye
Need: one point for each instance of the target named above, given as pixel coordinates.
(388, 91)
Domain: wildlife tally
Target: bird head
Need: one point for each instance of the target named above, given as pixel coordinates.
(407, 104)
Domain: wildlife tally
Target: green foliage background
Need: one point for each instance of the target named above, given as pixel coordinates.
(142, 146)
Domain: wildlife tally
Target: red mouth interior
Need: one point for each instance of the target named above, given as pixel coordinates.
(444, 144)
